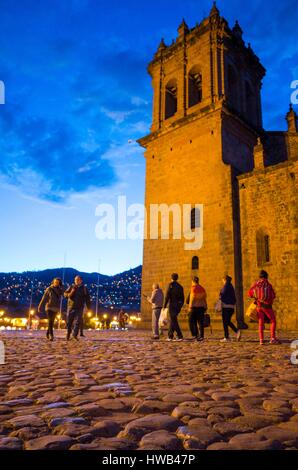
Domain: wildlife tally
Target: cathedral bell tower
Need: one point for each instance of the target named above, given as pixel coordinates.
(205, 124)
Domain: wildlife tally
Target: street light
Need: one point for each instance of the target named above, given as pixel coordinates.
(31, 313)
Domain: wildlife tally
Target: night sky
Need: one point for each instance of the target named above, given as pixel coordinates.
(77, 98)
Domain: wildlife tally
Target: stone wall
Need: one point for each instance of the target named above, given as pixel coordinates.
(268, 201)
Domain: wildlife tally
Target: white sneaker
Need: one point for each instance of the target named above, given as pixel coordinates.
(169, 339)
(275, 341)
(179, 339)
(224, 340)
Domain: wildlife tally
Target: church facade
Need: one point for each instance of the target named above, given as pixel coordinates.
(207, 146)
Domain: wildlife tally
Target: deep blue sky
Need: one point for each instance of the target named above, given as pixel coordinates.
(77, 92)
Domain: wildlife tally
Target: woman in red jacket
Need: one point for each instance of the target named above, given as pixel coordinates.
(262, 291)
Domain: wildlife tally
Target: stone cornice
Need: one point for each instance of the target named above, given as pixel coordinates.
(268, 169)
(220, 32)
(179, 122)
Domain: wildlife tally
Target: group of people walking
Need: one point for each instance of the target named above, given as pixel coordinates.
(261, 291)
(78, 298)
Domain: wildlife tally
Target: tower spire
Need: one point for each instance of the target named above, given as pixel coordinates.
(162, 45)
(214, 15)
(214, 11)
(291, 118)
(237, 30)
(259, 155)
(183, 28)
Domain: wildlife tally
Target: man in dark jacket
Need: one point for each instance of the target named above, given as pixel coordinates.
(174, 299)
(228, 302)
(78, 296)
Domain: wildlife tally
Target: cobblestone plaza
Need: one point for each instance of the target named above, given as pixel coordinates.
(121, 391)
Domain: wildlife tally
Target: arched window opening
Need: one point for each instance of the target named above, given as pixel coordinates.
(232, 87)
(194, 218)
(194, 87)
(266, 249)
(195, 263)
(263, 248)
(249, 103)
(171, 99)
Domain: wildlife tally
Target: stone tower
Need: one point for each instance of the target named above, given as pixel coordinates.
(205, 125)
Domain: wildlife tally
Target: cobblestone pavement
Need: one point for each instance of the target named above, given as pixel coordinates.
(120, 390)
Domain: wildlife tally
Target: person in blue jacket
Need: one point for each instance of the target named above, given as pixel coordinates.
(228, 303)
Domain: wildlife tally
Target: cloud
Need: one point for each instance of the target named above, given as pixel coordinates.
(82, 91)
(54, 158)
(125, 70)
(115, 115)
(138, 101)
(55, 141)
(46, 158)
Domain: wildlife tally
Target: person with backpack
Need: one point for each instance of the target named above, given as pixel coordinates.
(227, 297)
(197, 302)
(51, 300)
(174, 298)
(78, 296)
(264, 295)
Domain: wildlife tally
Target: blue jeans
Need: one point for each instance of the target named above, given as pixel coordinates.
(74, 321)
(155, 321)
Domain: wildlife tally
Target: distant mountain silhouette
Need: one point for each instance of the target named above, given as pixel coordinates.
(123, 289)
(69, 274)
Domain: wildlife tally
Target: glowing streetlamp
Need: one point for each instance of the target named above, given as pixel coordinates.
(29, 323)
(59, 320)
